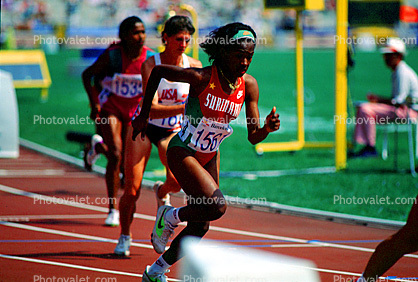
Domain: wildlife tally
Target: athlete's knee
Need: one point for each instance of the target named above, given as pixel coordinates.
(131, 186)
(219, 204)
(199, 229)
(130, 196)
(114, 156)
(203, 228)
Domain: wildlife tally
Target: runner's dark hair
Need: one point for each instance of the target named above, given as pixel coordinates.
(221, 38)
(177, 24)
(127, 25)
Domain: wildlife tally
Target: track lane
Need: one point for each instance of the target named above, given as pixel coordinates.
(264, 231)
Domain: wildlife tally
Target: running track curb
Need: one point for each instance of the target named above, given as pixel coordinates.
(236, 201)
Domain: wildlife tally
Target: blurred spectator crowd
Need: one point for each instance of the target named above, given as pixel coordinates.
(102, 17)
(45, 16)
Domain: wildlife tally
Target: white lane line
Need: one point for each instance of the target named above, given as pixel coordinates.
(69, 234)
(75, 266)
(277, 173)
(213, 228)
(28, 218)
(293, 246)
(68, 175)
(31, 172)
(61, 201)
(18, 173)
(70, 265)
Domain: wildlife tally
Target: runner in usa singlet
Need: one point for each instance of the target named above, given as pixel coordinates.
(170, 93)
(168, 103)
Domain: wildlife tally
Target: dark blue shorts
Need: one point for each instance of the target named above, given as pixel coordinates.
(155, 133)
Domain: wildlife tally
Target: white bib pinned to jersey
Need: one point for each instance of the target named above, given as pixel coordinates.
(169, 94)
(207, 136)
(123, 85)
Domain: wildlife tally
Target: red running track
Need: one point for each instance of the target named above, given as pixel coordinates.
(65, 239)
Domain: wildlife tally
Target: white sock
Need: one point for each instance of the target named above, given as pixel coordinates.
(159, 266)
(172, 216)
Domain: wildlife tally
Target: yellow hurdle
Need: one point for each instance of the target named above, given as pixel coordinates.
(340, 142)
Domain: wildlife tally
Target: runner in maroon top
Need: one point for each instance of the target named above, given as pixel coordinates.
(114, 102)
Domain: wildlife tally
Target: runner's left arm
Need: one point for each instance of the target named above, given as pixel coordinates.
(256, 134)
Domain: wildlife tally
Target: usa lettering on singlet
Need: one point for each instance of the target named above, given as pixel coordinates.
(169, 94)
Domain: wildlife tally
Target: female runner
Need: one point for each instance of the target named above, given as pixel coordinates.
(217, 94)
(119, 71)
(167, 113)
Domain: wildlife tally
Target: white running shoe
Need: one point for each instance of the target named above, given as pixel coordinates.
(162, 231)
(112, 218)
(124, 243)
(160, 277)
(161, 201)
(92, 155)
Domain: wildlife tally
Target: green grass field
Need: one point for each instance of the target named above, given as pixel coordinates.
(275, 72)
